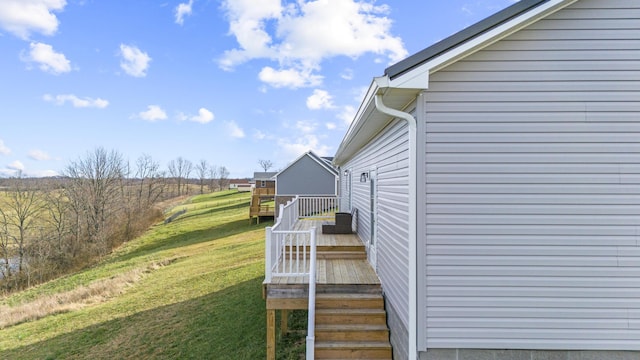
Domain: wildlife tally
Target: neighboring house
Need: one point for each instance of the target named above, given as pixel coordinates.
(308, 175)
(242, 185)
(497, 179)
(262, 196)
(264, 180)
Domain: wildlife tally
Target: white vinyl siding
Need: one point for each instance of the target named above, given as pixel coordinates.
(533, 187)
(387, 154)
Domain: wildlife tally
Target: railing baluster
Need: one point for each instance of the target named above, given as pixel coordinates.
(282, 237)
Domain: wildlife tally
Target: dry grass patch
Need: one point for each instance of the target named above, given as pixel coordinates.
(95, 293)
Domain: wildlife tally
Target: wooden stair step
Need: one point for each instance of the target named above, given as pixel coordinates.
(329, 249)
(349, 301)
(352, 350)
(341, 248)
(334, 254)
(351, 316)
(341, 255)
(354, 332)
(373, 288)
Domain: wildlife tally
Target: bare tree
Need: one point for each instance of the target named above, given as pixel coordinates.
(22, 207)
(213, 178)
(94, 190)
(5, 246)
(180, 169)
(151, 186)
(223, 181)
(57, 207)
(265, 164)
(203, 169)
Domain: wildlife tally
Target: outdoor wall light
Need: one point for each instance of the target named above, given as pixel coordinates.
(346, 173)
(363, 177)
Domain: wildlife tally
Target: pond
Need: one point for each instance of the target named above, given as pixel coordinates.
(13, 266)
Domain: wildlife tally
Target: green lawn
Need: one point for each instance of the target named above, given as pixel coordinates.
(197, 295)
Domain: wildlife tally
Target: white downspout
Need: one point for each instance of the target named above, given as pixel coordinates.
(413, 244)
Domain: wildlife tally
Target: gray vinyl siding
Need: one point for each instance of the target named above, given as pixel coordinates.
(388, 155)
(306, 177)
(533, 187)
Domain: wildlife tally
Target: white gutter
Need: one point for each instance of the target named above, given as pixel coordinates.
(413, 192)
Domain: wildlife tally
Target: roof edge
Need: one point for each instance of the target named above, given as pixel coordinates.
(461, 37)
(313, 157)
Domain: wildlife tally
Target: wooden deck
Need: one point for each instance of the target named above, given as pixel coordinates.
(332, 268)
(258, 208)
(350, 315)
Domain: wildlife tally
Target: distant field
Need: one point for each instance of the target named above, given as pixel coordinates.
(189, 289)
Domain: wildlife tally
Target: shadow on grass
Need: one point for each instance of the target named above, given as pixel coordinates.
(206, 197)
(192, 238)
(228, 324)
(214, 210)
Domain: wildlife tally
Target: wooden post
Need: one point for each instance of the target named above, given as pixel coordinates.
(271, 334)
(284, 321)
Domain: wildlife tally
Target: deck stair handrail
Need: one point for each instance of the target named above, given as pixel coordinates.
(291, 252)
(311, 319)
(286, 249)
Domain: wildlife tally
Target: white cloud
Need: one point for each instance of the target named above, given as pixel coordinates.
(22, 17)
(16, 165)
(259, 135)
(331, 126)
(4, 150)
(347, 114)
(48, 60)
(153, 113)
(306, 127)
(321, 99)
(77, 102)
(289, 78)
(204, 116)
(347, 74)
(39, 155)
(135, 62)
(43, 173)
(182, 10)
(234, 130)
(290, 35)
(303, 144)
(247, 22)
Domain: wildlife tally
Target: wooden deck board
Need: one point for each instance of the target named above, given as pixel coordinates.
(331, 271)
(335, 271)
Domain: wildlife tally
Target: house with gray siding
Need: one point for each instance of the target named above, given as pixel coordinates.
(497, 180)
(308, 175)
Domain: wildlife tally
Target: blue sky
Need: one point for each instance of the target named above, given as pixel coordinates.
(228, 81)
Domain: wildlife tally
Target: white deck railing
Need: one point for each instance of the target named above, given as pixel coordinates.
(288, 250)
(291, 252)
(320, 206)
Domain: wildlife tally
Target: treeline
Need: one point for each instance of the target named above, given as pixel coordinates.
(51, 226)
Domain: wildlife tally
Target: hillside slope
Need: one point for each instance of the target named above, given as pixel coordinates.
(189, 289)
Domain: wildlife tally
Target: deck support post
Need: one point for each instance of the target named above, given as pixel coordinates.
(271, 334)
(284, 321)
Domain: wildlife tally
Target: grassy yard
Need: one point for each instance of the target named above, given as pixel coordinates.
(189, 289)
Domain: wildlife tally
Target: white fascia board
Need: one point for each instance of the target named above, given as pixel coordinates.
(321, 162)
(367, 104)
(413, 78)
(417, 79)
